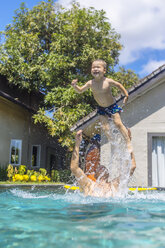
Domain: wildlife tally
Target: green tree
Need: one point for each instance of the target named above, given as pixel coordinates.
(47, 47)
(126, 77)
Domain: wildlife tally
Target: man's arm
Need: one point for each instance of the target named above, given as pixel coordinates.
(74, 166)
(81, 89)
(121, 88)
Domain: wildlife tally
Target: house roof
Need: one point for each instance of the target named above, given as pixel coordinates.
(18, 96)
(150, 81)
(16, 101)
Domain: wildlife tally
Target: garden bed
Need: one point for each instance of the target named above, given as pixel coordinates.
(30, 183)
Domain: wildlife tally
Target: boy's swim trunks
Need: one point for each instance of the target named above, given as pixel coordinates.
(111, 110)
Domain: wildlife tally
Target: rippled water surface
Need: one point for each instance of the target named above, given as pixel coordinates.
(56, 218)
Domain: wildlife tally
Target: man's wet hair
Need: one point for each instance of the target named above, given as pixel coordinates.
(102, 173)
(101, 61)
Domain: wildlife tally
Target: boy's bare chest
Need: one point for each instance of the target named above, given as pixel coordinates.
(100, 87)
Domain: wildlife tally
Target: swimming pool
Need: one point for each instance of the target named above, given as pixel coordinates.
(41, 218)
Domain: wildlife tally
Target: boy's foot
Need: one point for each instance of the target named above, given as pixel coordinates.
(130, 148)
(133, 167)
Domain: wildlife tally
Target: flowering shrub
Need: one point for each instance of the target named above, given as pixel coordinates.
(21, 174)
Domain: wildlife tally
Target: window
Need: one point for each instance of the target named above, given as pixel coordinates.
(15, 152)
(35, 158)
(157, 160)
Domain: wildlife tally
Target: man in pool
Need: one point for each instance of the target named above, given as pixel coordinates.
(98, 188)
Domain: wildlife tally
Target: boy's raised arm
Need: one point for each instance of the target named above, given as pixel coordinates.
(121, 88)
(81, 89)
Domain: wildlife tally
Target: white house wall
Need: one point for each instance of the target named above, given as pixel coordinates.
(146, 114)
(17, 123)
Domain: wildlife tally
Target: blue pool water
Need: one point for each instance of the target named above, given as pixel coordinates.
(53, 218)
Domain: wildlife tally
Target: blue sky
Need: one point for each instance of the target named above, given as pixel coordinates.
(140, 23)
(8, 7)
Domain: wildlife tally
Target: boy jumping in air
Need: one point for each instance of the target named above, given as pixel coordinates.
(101, 88)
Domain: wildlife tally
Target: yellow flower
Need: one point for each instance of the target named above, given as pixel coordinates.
(40, 178)
(18, 177)
(33, 178)
(47, 178)
(25, 178)
(13, 178)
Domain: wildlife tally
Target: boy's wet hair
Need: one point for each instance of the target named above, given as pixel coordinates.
(101, 61)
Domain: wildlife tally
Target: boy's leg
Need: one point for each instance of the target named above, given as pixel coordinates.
(133, 167)
(117, 120)
(123, 130)
(105, 125)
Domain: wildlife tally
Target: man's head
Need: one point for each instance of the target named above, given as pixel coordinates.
(102, 174)
(98, 68)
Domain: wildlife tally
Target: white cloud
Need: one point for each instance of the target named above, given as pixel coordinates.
(140, 23)
(151, 66)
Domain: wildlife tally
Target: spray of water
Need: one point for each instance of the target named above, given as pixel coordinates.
(76, 197)
(119, 163)
(120, 159)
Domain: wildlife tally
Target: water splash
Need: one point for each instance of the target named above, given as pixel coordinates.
(76, 197)
(120, 159)
(26, 194)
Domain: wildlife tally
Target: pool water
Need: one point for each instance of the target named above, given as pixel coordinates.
(55, 218)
